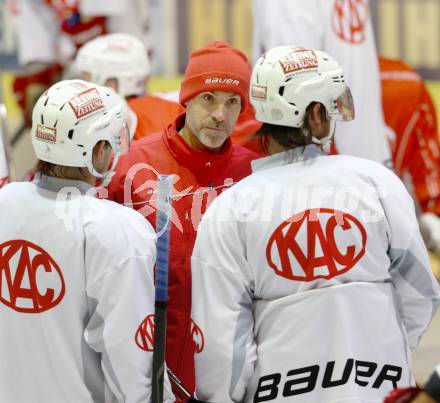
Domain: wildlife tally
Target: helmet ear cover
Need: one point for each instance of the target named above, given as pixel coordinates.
(71, 117)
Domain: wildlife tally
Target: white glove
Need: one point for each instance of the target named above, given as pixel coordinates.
(430, 228)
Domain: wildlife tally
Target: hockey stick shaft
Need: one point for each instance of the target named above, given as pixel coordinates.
(163, 224)
(178, 383)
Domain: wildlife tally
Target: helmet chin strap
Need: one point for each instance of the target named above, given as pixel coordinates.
(325, 142)
(106, 177)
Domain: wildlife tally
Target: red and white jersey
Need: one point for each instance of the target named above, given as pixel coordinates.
(76, 296)
(343, 29)
(410, 114)
(311, 283)
(43, 36)
(153, 114)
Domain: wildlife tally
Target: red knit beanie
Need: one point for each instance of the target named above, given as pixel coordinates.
(216, 67)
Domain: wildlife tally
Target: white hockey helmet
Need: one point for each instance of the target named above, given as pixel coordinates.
(71, 117)
(115, 56)
(287, 79)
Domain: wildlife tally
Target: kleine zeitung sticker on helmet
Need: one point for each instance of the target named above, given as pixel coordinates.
(259, 92)
(298, 60)
(86, 103)
(45, 133)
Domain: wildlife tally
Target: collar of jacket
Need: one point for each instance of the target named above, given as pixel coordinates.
(287, 157)
(186, 155)
(56, 185)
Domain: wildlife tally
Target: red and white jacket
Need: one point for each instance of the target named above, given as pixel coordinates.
(198, 178)
(315, 282)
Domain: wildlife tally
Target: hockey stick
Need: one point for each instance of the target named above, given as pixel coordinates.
(178, 383)
(163, 223)
(189, 398)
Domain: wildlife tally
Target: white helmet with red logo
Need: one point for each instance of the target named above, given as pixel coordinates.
(287, 79)
(118, 56)
(71, 117)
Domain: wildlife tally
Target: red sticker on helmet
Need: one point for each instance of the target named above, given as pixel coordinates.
(86, 103)
(259, 92)
(45, 133)
(298, 60)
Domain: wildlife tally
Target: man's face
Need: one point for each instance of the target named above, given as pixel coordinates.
(211, 117)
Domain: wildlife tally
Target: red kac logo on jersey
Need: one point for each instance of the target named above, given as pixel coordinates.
(317, 243)
(145, 334)
(349, 20)
(197, 336)
(30, 280)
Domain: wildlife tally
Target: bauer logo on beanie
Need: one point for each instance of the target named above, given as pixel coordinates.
(216, 67)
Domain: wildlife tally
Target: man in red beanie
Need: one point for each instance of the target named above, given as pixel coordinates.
(195, 148)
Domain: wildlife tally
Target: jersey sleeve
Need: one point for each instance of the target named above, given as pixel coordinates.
(424, 154)
(120, 294)
(222, 308)
(416, 289)
(286, 22)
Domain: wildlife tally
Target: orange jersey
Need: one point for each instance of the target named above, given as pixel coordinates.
(153, 113)
(410, 113)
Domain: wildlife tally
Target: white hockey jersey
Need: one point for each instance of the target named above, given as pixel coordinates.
(311, 283)
(343, 29)
(76, 293)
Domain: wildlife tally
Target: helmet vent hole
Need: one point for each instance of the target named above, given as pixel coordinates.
(105, 113)
(55, 125)
(46, 101)
(42, 119)
(84, 153)
(62, 106)
(70, 134)
(281, 91)
(296, 113)
(325, 59)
